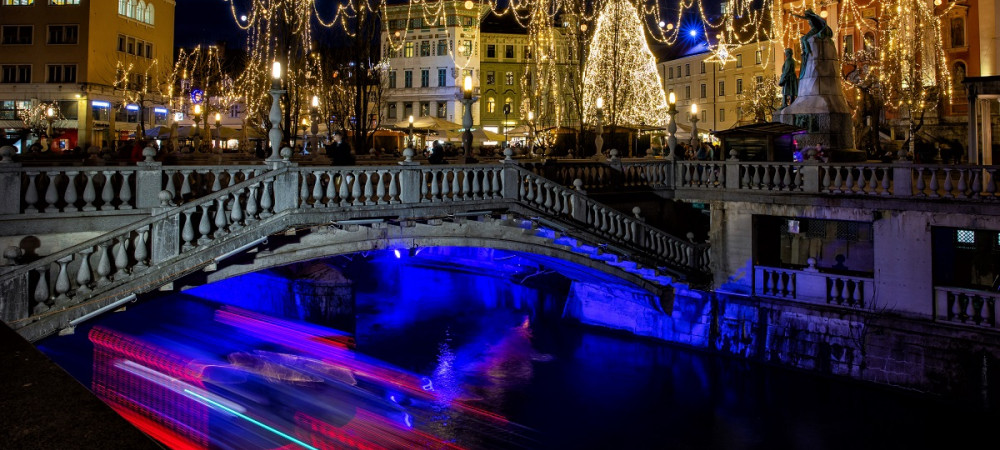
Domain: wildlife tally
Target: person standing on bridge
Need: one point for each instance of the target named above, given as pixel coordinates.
(339, 152)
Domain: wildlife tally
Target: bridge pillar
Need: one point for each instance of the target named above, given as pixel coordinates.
(902, 182)
(148, 183)
(732, 175)
(810, 177)
(511, 183)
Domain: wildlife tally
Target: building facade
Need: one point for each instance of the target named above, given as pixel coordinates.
(68, 54)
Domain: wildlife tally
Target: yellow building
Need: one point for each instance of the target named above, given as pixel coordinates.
(715, 87)
(67, 53)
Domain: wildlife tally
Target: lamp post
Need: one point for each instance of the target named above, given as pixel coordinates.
(672, 127)
(275, 115)
(694, 124)
(531, 133)
(218, 132)
(506, 112)
(197, 131)
(50, 115)
(467, 101)
(408, 151)
(599, 140)
(314, 144)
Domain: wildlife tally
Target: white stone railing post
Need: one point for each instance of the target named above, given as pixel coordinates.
(148, 181)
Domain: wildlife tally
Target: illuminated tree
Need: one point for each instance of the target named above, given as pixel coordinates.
(622, 70)
(141, 85)
(199, 76)
(759, 102)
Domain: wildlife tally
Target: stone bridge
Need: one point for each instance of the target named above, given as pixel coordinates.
(205, 215)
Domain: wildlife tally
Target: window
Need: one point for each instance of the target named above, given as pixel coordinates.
(965, 236)
(130, 46)
(407, 109)
(425, 109)
(704, 90)
(527, 52)
(425, 48)
(703, 67)
(959, 74)
(442, 77)
(468, 48)
(16, 73)
(687, 70)
(425, 78)
(757, 57)
(150, 16)
(121, 42)
(722, 89)
(61, 73)
(442, 110)
(848, 45)
(149, 50)
(408, 50)
(739, 61)
(442, 47)
(11, 109)
(63, 34)
(391, 113)
(416, 23)
(408, 79)
(101, 110)
(140, 11)
(704, 115)
(508, 51)
(491, 51)
(509, 78)
(722, 115)
(392, 79)
(957, 31)
(759, 80)
(491, 78)
(491, 105)
(18, 2)
(122, 7)
(670, 73)
(17, 34)
(687, 92)
(739, 86)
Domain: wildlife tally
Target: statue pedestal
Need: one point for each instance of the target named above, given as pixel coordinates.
(821, 107)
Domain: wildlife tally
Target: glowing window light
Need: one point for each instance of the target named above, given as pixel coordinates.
(160, 110)
(132, 107)
(100, 104)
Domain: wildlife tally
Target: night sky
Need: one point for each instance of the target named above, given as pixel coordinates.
(205, 22)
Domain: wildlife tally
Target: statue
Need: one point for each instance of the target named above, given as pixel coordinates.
(789, 82)
(818, 27)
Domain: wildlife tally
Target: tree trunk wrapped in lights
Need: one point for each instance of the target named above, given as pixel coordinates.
(622, 70)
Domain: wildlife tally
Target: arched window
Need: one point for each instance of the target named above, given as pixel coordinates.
(957, 32)
(958, 74)
(123, 7)
(140, 11)
(131, 9)
(869, 40)
(491, 105)
(149, 14)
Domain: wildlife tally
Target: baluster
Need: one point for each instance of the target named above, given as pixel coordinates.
(89, 192)
(267, 199)
(435, 187)
(252, 210)
(831, 294)
(934, 183)
(886, 182)
(83, 275)
(478, 178)
(107, 192)
(540, 193)
(204, 226)
(797, 179)
(121, 254)
(467, 192)
(786, 179)
(548, 196)
(758, 176)
(380, 192)
(31, 195)
(236, 213)
(168, 183)
(530, 194)
(344, 192)
(825, 185)
(69, 196)
(303, 190)
(991, 185)
(962, 185)
(354, 179)
(330, 193)
(773, 285)
(42, 290)
(221, 221)
(838, 180)
(394, 188)
(216, 180)
(103, 264)
(842, 291)
(495, 184)
(556, 199)
(186, 181)
(125, 191)
(977, 184)
(565, 203)
(140, 252)
(187, 233)
(51, 196)
(849, 187)
(369, 188)
(425, 185)
(947, 183)
(746, 177)
(857, 294)
(456, 185)
(62, 281)
(920, 182)
(317, 191)
(685, 175)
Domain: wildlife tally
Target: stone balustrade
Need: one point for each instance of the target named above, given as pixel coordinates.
(955, 182)
(814, 287)
(188, 182)
(965, 306)
(56, 190)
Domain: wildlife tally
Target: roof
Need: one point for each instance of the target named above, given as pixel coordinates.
(766, 128)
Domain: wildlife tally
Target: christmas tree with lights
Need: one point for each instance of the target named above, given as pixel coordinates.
(621, 70)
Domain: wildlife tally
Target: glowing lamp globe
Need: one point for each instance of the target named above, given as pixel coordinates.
(672, 98)
(276, 70)
(694, 109)
(315, 102)
(468, 83)
(197, 109)
(469, 4)
(600, 102)
(411, 120)
(218, 117)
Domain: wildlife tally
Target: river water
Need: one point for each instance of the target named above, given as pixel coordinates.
(556, 383)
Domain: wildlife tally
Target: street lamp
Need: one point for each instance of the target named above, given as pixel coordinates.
(599, 140)
(467, 101)
(50, 114)
(694, 124)
(672, 127)
(314, 144)
(531, 133)
(197, 131)
(218, 131)
(275, 115)
(506, 112)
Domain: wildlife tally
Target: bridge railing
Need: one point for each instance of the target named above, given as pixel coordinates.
(814, 286)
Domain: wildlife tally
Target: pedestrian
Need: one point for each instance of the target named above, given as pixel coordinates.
(437, 154)
(339, 152)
